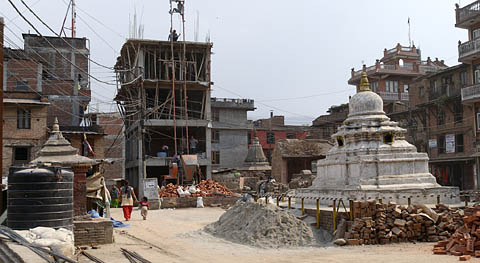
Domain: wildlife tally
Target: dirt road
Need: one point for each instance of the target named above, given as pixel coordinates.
(175, 236)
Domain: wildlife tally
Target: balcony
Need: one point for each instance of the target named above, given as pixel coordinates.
(445, 91)
(471, 94)
(407, 69)
(469, 51)
(467, 15)
(393, 96)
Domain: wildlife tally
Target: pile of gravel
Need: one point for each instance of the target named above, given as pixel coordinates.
(260, 225)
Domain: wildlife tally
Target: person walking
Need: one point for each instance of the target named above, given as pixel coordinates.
(128, 196)
(115, 196)
(145, 206)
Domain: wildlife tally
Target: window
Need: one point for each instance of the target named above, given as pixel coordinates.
(215, 136)
(422, 92)
(441, 117)
(476, 74)
(405, 88)
(21, 155)
(459, 143)
(374, 86)
(463, 78)
(215, 115)
(215, 157)
(476, 33)
(391, 85)
(458, 112)
(23, 119)
(291, 136)
(326, 132)
(441, 144)
(21, 86)
(434, 86)
(270, 138)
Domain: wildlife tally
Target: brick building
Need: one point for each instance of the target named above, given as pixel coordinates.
(442, 126)
(468, 17)
(391, 75)
(325, 125)
(64, 66)
(230, 130)
(270, 130)
(25, 109)
(114, 143)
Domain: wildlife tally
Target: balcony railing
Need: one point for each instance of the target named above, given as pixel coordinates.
(468, 11)
(470, 93)
(446, 90)
(393, 95)
(468, 48)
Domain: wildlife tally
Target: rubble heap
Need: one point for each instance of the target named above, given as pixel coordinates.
(464, 240)
(389, 223)
(204, 188)
(261, 225)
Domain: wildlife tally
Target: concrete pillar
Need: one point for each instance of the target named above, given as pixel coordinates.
(80, 190)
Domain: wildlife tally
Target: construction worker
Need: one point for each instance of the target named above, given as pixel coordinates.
(173, 36)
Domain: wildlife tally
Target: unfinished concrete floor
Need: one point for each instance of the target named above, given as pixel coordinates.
(174, 236)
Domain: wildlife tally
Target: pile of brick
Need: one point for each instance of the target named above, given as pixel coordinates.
(204, 188)
(389, 223)
(464, 241)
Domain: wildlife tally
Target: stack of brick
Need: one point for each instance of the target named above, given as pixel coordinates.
(466, 239)
(93, 232)
(389, 223)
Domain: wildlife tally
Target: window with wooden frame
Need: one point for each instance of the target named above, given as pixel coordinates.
(270, 138)
(215, 157)
(24, 119)
(215, 136)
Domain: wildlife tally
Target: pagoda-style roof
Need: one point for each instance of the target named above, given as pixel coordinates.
(58, 151)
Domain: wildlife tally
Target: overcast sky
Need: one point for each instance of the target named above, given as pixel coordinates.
(292, 57)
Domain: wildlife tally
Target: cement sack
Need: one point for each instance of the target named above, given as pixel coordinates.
(261, 225)
(45, 242)
(199, 202)
(192, 189)
(63, 248)
(180, 192)
(42, 231)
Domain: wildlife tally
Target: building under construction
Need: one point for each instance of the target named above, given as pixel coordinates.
(164, 97)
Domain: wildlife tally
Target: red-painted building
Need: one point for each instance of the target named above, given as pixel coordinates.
(273, 129)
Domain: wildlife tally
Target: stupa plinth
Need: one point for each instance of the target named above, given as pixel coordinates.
(372, 160)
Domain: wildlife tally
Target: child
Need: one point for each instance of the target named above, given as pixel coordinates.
(145, 206)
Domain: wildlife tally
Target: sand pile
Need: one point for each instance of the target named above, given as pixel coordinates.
(261, 225)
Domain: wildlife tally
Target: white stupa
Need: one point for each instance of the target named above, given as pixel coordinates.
(372, 160)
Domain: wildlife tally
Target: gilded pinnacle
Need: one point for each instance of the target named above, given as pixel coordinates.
(364, 85)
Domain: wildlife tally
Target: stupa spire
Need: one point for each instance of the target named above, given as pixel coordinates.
(364, 84)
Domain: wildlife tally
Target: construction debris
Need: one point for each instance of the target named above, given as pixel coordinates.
(204, 188)
(463, 242)
(389, 223)
(260, 225)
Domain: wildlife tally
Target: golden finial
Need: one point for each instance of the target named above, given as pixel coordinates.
(364, 85)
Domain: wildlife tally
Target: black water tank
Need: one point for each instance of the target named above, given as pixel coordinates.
(40, 196)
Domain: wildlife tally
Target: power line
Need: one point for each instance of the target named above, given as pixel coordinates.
(52, 46)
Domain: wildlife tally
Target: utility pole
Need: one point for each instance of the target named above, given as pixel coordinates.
(2, 25)
(74, 17)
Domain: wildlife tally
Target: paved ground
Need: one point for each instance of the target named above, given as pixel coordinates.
(175, 236)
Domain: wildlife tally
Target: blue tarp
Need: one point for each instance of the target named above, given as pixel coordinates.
(118, 223)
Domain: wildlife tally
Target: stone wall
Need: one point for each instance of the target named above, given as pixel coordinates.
(93, 232)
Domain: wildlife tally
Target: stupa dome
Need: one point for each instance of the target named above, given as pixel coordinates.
(365, 102)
